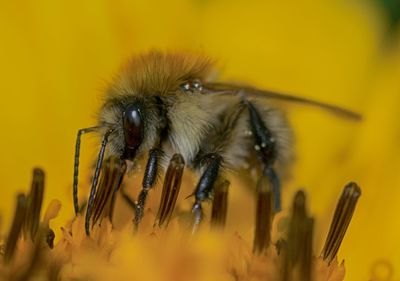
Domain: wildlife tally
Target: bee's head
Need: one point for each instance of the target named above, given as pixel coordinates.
(150, 92)
(136, 122)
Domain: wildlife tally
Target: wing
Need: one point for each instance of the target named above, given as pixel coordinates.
(230, 89)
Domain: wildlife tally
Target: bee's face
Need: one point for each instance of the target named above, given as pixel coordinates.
(136, 122)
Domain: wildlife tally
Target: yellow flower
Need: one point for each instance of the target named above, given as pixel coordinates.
(55, 56)
(171, 251)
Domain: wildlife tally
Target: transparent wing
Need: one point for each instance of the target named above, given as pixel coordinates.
(231, 89)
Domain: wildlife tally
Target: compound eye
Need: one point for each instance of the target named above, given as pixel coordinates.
(133, 127)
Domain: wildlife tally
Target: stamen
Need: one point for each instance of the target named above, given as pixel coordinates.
(172, 185)
(341, 220)
(298, 254)
(34, 203)
(111, 179)
(16, 228)
(120, 172)
(35, 258)
(220, 205)
(103, 191)
(264, 214)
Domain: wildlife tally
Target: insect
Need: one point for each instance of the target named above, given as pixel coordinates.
(161, 104)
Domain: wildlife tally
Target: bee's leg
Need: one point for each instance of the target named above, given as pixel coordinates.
(149, 180)
(76, 164)
(265, 145)
(170, 191)
(205, 186)
(95, 180)
(275, 187)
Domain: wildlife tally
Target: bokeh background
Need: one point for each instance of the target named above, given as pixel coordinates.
(57, 56)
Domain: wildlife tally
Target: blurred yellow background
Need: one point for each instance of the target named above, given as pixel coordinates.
(56, 57)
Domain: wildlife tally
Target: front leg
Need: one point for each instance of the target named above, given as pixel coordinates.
(205, 185)
(149, 180)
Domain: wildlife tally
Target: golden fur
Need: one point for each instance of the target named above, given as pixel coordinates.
(158, 72)
(195, 121)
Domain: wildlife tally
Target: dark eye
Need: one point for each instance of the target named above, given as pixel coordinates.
(133, 128)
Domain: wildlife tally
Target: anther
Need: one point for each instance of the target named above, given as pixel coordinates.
(34, 203)
(112, 174)
(341, 220)
(170, 191)
(16, 228)
(264, 214)
(220, 205)
(298, 254)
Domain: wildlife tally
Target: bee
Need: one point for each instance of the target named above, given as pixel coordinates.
(162, 104)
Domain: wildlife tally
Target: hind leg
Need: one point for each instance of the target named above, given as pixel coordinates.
(213, 156)
(265, 146)
(227, 146)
